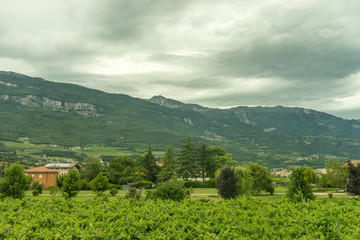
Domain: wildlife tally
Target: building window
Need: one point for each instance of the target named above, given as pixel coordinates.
(32, 175)
(40, 175)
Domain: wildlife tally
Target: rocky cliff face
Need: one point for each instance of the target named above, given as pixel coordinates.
(173, 104)
(83, 109)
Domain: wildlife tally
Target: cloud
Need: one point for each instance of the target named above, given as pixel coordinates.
(216, 53)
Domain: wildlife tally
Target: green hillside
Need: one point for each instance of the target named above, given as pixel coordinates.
(70, 115)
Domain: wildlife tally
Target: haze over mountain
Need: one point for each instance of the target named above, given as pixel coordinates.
(67, 114)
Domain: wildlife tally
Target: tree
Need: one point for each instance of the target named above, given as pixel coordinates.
(70, 184)
(245, 180)
(206, 161)
(262, 179)
(168, 170)
(216, 158)
(120, 168)
(169, 156)
(100, 184)
(227, 183)
(336, 174)
(353, 185)
(91, 168)
(59, 180)
(149, 163)
(15, 182)
(187, 160)
(299, 188)
(310, 175)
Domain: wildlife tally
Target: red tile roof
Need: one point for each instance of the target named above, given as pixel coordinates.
(160, 164)
(40, 169)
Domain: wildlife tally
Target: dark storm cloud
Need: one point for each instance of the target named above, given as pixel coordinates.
(131, 21)
(291, 61)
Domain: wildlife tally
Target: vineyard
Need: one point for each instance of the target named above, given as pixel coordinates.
(101, 218)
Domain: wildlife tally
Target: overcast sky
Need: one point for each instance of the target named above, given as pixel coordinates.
(303, 53)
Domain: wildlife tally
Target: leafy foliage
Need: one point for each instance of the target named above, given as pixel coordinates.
(91, 168)
(144, 184)
(353, 185)
(15, 182)
(262, 179)
(100, 183)
(245, 180)
(171, 190)
(70, 184)
(336, 174)
(37, 186)
(227, 183)
(113, 191)
(299, 188)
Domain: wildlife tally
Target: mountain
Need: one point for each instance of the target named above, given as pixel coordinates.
(70, 115)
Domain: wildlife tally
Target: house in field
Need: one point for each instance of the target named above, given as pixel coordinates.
(44, 175)
(63, 167)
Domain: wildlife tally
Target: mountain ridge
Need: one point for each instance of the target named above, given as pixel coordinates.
(68, 114)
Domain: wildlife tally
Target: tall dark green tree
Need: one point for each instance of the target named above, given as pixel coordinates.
(188, 166)
(227, 183)
(169, 156)
(149, 163)
(213, 158)
(168, 170)
(91, 168)
(353, 185)
(299, 188)
(15, 182)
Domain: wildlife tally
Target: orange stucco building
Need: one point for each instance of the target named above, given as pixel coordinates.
(44, 175)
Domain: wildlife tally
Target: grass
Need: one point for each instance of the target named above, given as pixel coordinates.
(197, 193)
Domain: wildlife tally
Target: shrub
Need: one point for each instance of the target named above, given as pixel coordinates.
(37, 186)
(173, 190)
(35, 193)
(211, 183)
(133, 193)
(84, 184)
(100, 183)
(330, 194)
(113, 192)
(53, 190)
(144, 184)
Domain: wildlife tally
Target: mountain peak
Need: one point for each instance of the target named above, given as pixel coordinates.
(174, 104)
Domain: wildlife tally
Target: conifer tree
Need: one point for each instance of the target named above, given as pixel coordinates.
(149, 163)
(188, 160)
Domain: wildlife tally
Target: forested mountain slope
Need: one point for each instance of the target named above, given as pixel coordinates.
(67, 114)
